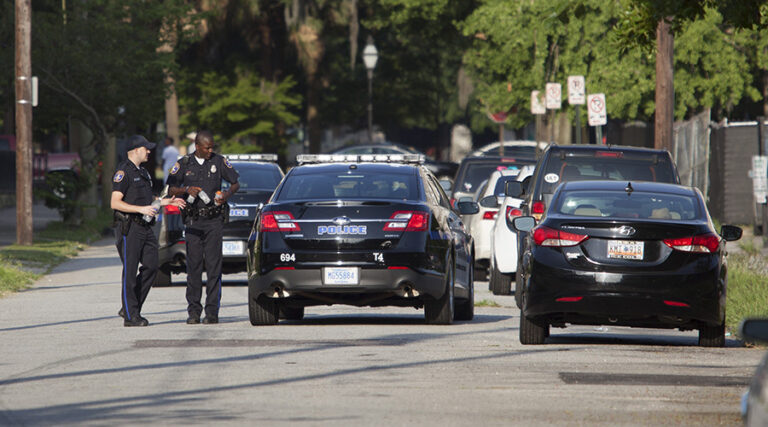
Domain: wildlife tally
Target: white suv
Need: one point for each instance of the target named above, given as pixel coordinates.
(503, 262)
(481, 224)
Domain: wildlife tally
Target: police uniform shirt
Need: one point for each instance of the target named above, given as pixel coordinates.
(187, 172)
(134, 182)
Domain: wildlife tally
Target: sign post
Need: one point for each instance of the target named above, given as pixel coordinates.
(596, 114)
(554, 100)
(537, 109)
(500, 118)
(576, 96)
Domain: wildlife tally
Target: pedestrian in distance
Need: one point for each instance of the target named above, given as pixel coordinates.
(134, 210)
(197, 177)
(170, 156)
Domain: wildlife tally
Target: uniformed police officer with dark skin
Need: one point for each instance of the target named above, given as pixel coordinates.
(136, 242)
(195, 173)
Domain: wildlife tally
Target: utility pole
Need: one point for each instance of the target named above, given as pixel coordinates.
(665, 87)
(23, 122)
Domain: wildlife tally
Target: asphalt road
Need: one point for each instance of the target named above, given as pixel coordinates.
(66, 359)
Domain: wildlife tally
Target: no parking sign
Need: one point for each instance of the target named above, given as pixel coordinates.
(596, 108)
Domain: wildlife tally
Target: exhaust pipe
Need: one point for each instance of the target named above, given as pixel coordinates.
(406, 291)
(278, 291)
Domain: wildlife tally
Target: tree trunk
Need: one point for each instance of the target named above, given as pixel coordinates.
(171, 120)
(765, 93)
(314, 131)
(665, 87)
(108, 168)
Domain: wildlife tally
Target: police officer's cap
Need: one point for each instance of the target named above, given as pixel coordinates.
(137, 141)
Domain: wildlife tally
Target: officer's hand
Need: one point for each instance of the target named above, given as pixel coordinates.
(193, 191)
(148, 210)
(180, 203)
(221, 198)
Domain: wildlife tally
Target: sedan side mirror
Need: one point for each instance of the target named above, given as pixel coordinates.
(755, 329)
(489, 202)
(513, 189)
(524, 223)
(468, 208)
(730, 232)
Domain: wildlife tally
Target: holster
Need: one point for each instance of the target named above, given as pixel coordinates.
(122, 220)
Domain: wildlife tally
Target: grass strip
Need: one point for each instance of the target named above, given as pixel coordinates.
(20, 265)
(747, 289)
(487, 303)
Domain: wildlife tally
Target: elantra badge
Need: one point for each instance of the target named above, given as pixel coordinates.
(342, 229)
(625, 230)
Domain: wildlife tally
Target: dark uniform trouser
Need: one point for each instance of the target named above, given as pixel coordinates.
(139, 245)
(204, 245)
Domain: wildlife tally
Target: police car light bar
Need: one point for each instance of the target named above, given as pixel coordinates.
(360, 158)
(252, 157)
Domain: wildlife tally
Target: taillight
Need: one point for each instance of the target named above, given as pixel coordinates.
(613, 154)
(171, 210)
(417, 221)
(490, 214)
(537, 208)
(706, 243)
(453, 202)
(278, 221)
(545, 236)
(512, 213)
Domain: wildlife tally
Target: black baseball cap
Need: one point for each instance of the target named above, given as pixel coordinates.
(137, 141)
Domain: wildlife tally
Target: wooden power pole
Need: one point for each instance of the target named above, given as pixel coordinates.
(23, 122)
(665, 87)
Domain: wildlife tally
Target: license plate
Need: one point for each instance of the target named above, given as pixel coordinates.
(625, 249)
(341, 276)
(238, 212)
(236, 247)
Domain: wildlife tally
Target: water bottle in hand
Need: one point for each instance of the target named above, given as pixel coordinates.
(204, 197)
(156, 205)
(219, 197)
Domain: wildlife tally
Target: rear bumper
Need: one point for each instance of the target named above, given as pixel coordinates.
(374, 284)
(674, 299)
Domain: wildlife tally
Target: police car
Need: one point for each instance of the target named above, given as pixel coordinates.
(259, 175)
(362, 230)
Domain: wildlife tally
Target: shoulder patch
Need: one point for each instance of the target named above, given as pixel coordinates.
(175, 168)
(226, 162)
(119, 175)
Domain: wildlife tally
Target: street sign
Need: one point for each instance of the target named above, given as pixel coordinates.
(759, 175)
(537, 107)
(500, 117)
(554, 96)
(576, 90)
(596, 109)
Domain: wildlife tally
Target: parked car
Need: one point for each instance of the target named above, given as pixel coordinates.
(360, 230)
(511, 148)
(563, 163)
(474, 170)
(259, 175)
(754, 403)
(440, 169)
(503, 261)
(626, 253)
(480, 225)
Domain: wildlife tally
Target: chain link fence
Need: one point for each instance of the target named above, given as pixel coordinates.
(691, 151)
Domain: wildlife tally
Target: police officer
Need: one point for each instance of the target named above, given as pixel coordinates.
(198, 175)
(136, 242)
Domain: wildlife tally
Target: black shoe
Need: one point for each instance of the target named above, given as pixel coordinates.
(121, 313)
(193, 320)
(137, 322)
(209, 320)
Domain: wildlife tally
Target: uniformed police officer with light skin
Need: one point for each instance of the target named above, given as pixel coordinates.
(194, 174)
(136, 242)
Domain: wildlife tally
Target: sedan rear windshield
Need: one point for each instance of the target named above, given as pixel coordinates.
(256, 177)
(356, 185)
(620, 204)
(475, 173)
(613, 165)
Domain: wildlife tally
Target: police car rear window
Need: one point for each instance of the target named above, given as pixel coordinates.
(354, 185)
(256, 177)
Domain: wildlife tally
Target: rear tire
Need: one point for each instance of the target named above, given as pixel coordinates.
(263, 311)
(712, 336)
(500, 282)
(532, 332)
(465, 309)
(440, 311)
(162, 278)
(292, 313)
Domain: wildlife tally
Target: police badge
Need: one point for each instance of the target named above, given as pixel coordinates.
(213, 168)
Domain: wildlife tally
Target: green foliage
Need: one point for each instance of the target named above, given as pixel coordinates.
(747, 290)
(62, 192)
(242, 108)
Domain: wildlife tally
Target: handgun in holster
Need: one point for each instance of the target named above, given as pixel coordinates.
(123, 221)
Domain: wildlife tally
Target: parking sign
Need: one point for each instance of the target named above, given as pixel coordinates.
(596, 108)
(537, 107)
(576, 90)
(554, 96)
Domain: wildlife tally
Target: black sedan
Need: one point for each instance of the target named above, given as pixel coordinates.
(637, 254)
(360, 230)
(754, 403)
(442, 170)
(259, 175)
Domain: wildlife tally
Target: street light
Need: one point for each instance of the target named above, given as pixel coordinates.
(370, 56)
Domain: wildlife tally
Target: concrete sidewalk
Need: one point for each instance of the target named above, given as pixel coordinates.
(41, 216)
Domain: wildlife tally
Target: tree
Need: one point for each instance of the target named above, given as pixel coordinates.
(100, 62)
